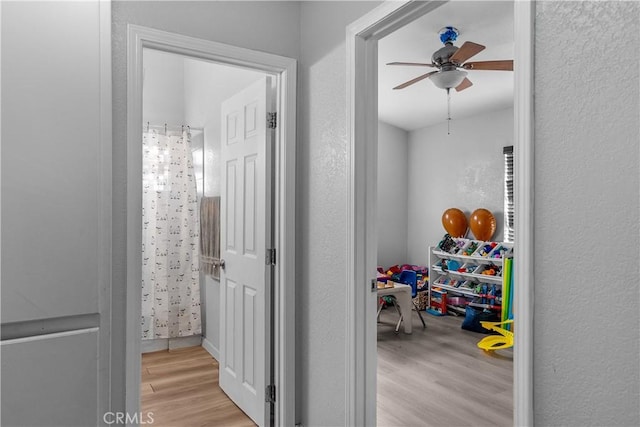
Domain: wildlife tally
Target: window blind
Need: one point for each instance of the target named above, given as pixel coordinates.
(508, 194)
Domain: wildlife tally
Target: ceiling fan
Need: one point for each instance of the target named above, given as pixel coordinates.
(450, 63)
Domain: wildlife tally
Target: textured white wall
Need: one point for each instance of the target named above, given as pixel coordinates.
(265, 26)
(464, 170)
(586, 340)
(322, 210)
(392, 195)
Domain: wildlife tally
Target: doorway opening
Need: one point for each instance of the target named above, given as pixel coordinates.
(182, 300)
(211, 154)
(362, 48)
(429, 164)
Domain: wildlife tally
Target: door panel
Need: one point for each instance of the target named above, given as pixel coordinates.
(248, 334)
(250, 206)
(245, 235)
(50, 380)
(229, 323)
(230, 223)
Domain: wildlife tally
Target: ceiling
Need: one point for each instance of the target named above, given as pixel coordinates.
(423, 104)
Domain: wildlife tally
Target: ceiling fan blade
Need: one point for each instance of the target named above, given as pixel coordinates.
(416, 80)
(465, 84)
(466, 51)
(417, 64)
(506, 65)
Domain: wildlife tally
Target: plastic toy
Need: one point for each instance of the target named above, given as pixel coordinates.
(447, 244)
(452, 264)
(437, 303)
(496, 342)
(471, 249)
(455, 222)
(482, 224)
(507, 291)
(498, 252)
(467, 285)
(486, 249)
(483, 291)
(491, 270)
(494, 291)
(467, 269)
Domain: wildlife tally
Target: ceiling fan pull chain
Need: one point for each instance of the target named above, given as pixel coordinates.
(448, 112)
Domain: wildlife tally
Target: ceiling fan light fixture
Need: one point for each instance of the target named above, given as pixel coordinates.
(448, 79)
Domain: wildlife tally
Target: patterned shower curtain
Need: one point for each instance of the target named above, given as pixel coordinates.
(170, 238)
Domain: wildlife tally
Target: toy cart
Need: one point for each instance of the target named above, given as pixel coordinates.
(437, 302)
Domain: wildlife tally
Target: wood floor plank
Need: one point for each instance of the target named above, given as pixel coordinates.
(170, 380)
(439, 377)
(180, 366)
(180, 388)
(146, 390)
(166, 356)
(169, 394)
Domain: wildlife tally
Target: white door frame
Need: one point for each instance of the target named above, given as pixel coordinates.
(362, 81)
(284, 71)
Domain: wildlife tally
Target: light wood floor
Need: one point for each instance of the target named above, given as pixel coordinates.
(433, 377)
(180, 387)
(438, 377)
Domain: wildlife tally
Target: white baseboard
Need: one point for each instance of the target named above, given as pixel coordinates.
(182, 342)
(214, 352)
(158, 344)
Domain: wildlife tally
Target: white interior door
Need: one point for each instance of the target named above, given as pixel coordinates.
(245, 233)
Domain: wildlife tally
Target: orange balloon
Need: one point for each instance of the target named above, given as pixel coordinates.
(455, 222)
(482, 224)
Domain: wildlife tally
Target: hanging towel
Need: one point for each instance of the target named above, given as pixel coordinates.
(210, 236)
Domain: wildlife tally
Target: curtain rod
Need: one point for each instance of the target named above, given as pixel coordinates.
(148, 126)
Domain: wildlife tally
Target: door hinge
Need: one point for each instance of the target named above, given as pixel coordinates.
(270, 257)
(272, 120)
(270, 394)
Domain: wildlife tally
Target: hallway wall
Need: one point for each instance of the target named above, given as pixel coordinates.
(587, 215)
(323, 180)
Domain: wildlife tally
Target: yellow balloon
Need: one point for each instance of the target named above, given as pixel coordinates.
(455, 222)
